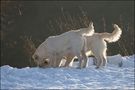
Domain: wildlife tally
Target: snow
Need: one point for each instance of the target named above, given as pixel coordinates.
(110, 77)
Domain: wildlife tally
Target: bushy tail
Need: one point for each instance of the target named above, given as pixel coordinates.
(114, 36)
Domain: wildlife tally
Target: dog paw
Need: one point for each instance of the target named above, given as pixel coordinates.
(78, 67)
(97, 68)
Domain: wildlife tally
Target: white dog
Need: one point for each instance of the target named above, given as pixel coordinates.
(97, 45)
(50, 52)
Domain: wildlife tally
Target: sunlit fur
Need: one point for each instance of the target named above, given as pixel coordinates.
(55, 47)
(98, 46)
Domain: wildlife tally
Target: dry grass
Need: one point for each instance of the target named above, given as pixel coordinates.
(29, 48)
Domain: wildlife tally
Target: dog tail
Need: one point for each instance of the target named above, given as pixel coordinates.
(87, 31)
(114, 36)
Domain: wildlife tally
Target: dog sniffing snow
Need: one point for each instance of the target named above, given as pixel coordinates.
(52, 50)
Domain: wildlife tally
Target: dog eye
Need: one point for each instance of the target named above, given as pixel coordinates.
(36, 57)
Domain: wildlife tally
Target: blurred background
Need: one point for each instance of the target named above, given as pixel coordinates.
(26, 24)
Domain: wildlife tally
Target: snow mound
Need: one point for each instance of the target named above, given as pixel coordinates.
(110, 77)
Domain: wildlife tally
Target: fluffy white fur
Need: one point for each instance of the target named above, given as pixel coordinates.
(50, 52)
(98, 46)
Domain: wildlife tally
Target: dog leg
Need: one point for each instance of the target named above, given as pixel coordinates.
(99, 62)
(85, 63)
(68, 61)
(80, 61)
(104, 61)
(58, 60)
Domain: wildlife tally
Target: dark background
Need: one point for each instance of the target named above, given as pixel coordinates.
(26, 24)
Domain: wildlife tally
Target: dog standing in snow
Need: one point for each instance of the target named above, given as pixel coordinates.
(50, 52)
(98, 46)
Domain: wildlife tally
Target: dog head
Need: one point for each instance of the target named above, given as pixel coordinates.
(40, 61)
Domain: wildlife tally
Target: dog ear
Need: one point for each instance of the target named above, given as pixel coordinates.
(91, 23)
(35, 57)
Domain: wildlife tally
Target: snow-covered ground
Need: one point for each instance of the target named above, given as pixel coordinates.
(110, 77)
